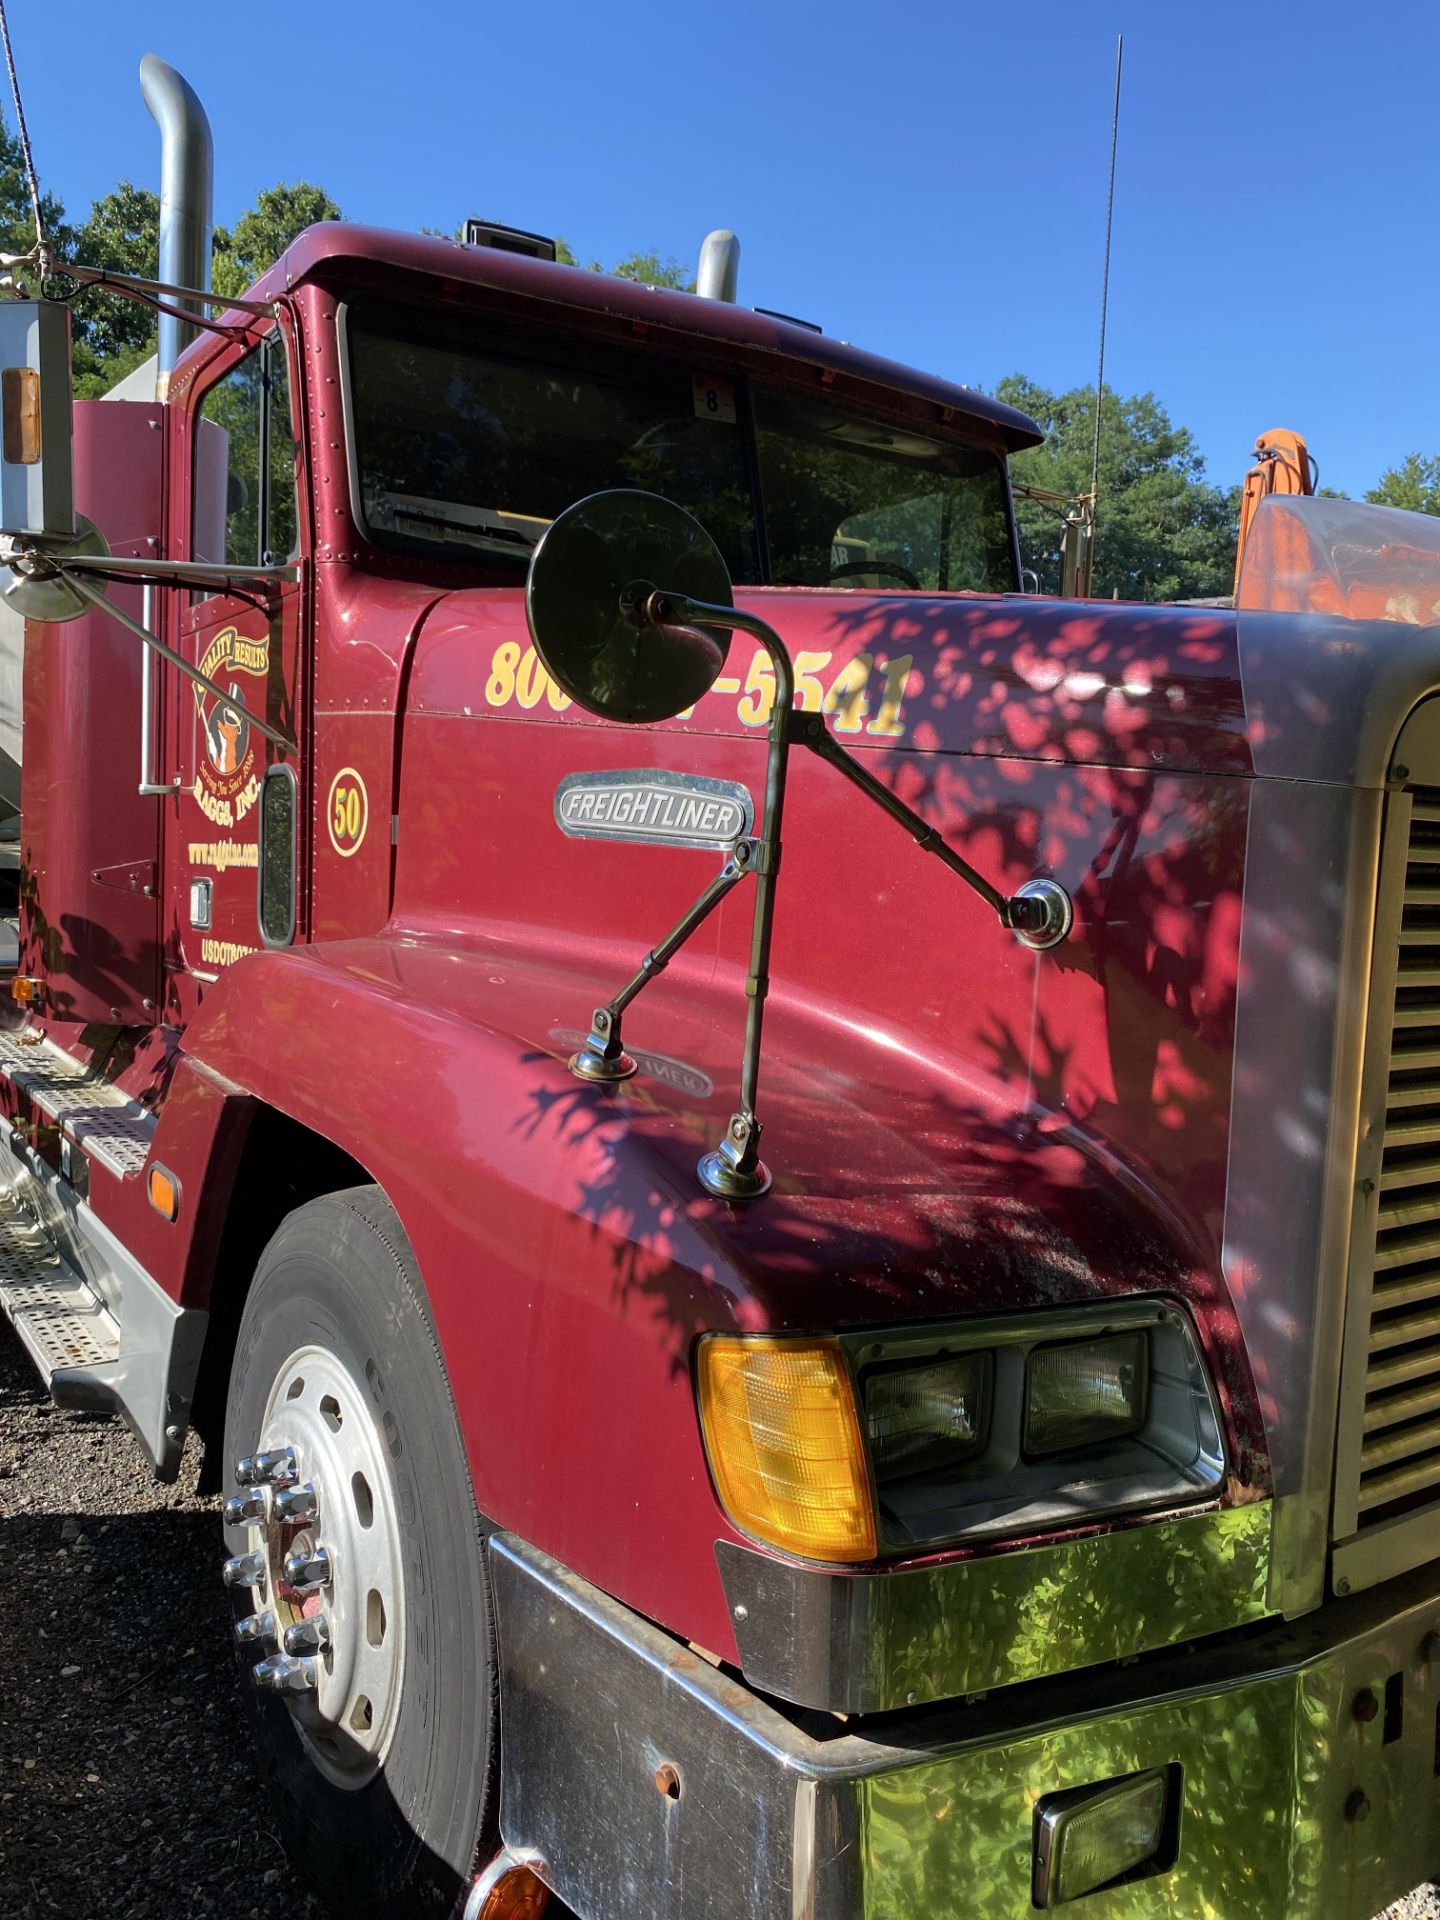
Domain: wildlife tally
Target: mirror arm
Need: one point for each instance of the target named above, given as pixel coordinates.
(97, 599)
(810, 731)
(1040, 914)
(735, 1171)
(603, 1056)
(121, 569)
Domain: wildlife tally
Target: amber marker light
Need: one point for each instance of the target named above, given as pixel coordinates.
(784, 1443)
(164, 1191)
(507, 1891)
(20, 404)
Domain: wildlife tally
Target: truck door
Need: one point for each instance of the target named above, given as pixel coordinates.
(230, 777)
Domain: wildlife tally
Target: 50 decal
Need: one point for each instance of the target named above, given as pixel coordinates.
(347, 812)
(865, 695)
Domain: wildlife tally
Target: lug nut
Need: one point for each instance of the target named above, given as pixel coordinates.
(276, 1468)
(307, 1636)
(257, 1630)
(281, 1674)
(245, 1570)
(307, 1569)
(296, 1503)
(245, 1509)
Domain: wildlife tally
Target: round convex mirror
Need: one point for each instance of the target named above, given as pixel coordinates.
(582, 579)
(43, 595)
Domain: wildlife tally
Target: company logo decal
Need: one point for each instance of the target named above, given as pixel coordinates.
(347, 812)
(653, 805)
(227, 784)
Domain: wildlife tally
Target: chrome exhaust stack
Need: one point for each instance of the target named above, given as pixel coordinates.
(187, 192)
(718, 277)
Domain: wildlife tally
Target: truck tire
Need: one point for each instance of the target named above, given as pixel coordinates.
(378, 1743)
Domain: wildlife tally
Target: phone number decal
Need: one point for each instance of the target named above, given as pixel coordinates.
(866, 695)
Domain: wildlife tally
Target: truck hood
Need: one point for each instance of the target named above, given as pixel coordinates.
(1085, 682)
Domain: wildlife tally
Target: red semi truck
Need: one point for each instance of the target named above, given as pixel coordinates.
(1022, 1488)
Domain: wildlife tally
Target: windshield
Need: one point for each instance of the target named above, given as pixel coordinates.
(850, 501)
(469, 447)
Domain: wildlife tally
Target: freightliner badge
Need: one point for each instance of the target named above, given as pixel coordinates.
(651, 804)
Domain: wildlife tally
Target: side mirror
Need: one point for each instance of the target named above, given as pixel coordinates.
(37, 493)
(589, 605)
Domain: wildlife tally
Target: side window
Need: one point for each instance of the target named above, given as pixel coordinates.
(244, 494)
(277, 857)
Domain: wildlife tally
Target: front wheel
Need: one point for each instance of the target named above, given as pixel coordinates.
(358, 1568)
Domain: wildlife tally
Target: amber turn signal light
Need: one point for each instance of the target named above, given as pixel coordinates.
(784, 1443)
(507, 1893)
(164, 1191)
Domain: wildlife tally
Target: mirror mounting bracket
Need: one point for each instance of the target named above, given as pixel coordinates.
(603, 1056)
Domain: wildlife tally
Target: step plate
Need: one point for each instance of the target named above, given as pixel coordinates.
(108, 1124)
(53, 1311)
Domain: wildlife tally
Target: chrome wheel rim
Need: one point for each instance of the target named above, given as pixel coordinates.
(345, 1616)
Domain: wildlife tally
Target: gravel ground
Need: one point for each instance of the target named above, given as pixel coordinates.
(126, 1785)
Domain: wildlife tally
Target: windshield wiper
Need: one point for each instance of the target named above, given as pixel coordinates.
(479, 533)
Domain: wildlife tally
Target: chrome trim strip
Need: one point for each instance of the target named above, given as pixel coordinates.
(869, 1643)
(1312, 857)
(1383, 1551)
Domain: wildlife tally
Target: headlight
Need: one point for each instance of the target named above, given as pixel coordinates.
(1084, 1391)
(849, 1447)
(925, 1418)
(987, 1429)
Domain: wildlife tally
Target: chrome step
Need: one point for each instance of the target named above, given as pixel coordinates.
(63, 1325)
(108, 1124)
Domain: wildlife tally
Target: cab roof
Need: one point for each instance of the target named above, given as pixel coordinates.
(340, 243)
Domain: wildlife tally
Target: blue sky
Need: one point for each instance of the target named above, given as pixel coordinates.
(927, 181)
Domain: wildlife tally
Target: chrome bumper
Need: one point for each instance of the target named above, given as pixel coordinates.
(652, 1785)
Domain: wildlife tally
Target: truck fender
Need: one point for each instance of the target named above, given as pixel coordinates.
(566, 1337)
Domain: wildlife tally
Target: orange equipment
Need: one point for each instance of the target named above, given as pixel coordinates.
(1282, 465)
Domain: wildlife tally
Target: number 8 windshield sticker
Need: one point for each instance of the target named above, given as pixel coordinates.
(347, 812)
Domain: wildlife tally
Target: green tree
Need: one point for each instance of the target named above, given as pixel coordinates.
(17, 216)
(646, 268)
(260, 236)
(122, 232)
(651, 271)
(1413, 485)
(113, 334)
(1163, 531)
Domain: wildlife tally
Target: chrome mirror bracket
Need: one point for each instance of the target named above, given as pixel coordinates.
(602, 1057)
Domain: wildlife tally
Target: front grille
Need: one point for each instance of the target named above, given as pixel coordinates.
(1400, 1447)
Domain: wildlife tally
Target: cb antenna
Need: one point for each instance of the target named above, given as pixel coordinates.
(1105, 293)
(40, 252)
